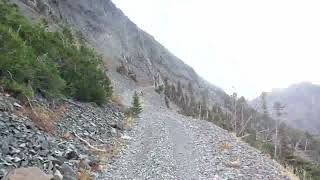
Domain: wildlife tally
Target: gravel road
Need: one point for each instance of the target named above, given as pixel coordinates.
(167, 145)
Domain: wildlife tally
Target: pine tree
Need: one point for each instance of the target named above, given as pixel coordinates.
(265, 115)
(167, 88)
(264, 106)
(136, 105)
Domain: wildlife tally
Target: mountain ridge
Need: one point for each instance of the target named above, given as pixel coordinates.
(301, 107)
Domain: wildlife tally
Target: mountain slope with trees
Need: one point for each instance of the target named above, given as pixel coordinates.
(133, 54)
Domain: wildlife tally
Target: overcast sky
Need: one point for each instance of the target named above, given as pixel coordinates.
(252, 45)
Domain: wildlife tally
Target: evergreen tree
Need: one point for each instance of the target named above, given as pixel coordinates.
(136, 105)
(167, 88)
(173, 92)
(264, 106)
(265, 115)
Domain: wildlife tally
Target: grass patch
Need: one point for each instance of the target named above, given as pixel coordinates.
(43, 118)
(118, 101)
(224, 146)
(129, 120)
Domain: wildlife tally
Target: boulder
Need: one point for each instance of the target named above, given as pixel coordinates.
(67, 172)
(31, 173)
(57, 175)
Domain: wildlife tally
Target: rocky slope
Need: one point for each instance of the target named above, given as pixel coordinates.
(301, 105)
(25, 144)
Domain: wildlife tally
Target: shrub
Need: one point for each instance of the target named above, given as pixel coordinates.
(136, 108)
(33, 60)
(224, 146)
(160, 89)
(22, 70)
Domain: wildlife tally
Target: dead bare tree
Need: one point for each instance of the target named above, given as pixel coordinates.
(234, 97)
(278, 108)
(245, 125)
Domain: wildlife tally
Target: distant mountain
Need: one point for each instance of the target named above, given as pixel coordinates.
(302, 105)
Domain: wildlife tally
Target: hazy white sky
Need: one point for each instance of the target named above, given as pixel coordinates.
(253, 45)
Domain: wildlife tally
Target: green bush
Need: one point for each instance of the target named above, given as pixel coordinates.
(33, 60)
(22, 69)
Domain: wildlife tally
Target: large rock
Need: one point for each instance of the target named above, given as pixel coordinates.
(31, 173)
(67, 172)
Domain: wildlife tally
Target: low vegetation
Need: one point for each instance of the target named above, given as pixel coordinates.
(44, 118)
(34, 60)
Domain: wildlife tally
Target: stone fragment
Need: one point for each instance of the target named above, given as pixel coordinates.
(72, 155)
(57, 175)
(17, 105)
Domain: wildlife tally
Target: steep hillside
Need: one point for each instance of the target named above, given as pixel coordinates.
(115, 36)
(302, 105)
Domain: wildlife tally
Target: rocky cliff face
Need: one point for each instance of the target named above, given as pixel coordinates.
(116, 37)
(301, 105)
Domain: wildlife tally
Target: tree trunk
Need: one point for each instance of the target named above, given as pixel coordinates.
(200, 111)
(305, 145)
(244, 126)
(241, 121)
(235, 116)
(276, 141)
(296, 145)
